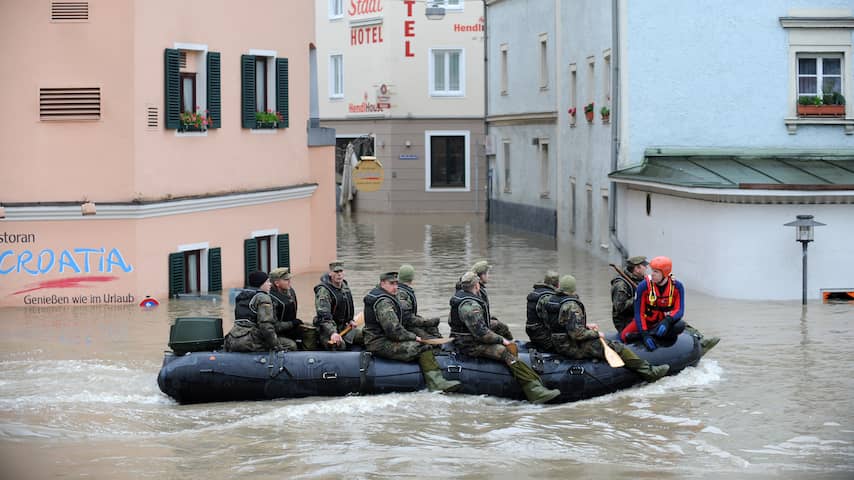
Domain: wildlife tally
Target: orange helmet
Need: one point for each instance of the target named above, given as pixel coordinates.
(663, 264)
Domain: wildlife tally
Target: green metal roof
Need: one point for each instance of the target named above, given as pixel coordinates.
(767, 170)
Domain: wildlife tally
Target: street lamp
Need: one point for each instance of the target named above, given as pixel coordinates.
(434, 11)
(804, 234)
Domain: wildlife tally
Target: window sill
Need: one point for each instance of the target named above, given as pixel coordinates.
(792, 123)
(264, 131)
(447, 94)
(191, 133)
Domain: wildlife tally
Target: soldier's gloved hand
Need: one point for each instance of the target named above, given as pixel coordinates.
(297, 322)
(649, 342)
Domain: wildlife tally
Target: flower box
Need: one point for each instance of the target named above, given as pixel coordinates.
(821, 110)
(266, 125)
(193, 128)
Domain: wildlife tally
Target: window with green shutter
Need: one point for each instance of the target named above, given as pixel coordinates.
(283, 249)
(172, 93)
(177, 280)
(282, 91)
(250, 258)
(214, 270)
(214, 91)
(247, 93)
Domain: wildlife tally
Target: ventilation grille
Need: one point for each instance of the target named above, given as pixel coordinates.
(69, 11)
(151, 117)
(70, 103)
(182, 59)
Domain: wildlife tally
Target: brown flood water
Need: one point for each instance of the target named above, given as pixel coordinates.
(79, 398)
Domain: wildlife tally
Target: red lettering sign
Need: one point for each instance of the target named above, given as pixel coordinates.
(364, 7)
(409, 28)
(366, 35)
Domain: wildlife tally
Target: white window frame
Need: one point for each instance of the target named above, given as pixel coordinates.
(449, 5)
(273, 233)
(431, 70)
(202, 248)
(336, 9)
(332, 75)
(573, 94)
(506, 154)
(543, 48)
(505, 73)
(201, 69)
(428, 159)
(606, 78)
(819, 58)
(270, 65)
(545, 167)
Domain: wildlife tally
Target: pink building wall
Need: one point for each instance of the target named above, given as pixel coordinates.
(119, 162)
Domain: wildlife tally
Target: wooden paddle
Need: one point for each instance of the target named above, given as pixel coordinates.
(611, 356)
(436, 341)
(623, 274)
(513, 349)
(360, 320)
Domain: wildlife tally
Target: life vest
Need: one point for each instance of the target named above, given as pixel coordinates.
(553, 310)
(457, 325)
(533, 299)
(411, 294)
(372, 325)
(658, 300)
(342, 301)
(284, 305)
(244, 307)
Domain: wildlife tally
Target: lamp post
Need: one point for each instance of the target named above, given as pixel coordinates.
(804, 234)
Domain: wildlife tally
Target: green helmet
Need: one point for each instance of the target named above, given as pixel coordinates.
(406, 273)
(567, 284)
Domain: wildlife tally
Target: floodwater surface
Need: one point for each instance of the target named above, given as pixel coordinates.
(79, 397)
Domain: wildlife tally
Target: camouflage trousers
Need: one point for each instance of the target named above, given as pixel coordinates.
(467, 345)
(423, 327)
(246, 337)
(569, 348)
(540, 337)
(500, 328)
(403, 351)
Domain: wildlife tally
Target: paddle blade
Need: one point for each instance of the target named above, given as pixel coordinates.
(436, 341)
(360, 319)
(513, 349)
(611, 356)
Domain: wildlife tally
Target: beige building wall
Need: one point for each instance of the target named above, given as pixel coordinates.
(387, 50)
(155, 190)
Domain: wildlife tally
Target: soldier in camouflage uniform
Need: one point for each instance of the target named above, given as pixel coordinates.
(473, 337)
(535, 324)
(285, 311)
(334, 305)
(574, 338)
(386, 337)
(254, 327)
(482, 268)
(623, 292)
(423, 327)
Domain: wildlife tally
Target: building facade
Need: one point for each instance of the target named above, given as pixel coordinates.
(414, 86)
(150, 150)
(703, 154)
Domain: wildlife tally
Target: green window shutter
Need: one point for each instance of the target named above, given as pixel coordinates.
(172, 92)
(282, 91)
(283, 246)
(214, 270)
(250, 258)
(247, 95)
(176, 274)
(214, 95)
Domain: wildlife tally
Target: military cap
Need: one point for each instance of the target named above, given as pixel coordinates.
(281, 273)
(567, 284)
(635, 261)
(336, 266)
(551, 278)
(406, 273)
(481, 267)
(468, 279)
(388, 277)
(256, 279)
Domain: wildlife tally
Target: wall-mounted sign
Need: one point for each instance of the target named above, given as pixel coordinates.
(474, 27)
(368, 175)
(367, 107)
(408, 29)
(365, 7)
(409, 157)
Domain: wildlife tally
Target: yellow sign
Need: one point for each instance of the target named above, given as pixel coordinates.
(368, 175)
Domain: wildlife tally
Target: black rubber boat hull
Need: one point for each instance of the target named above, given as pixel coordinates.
(215, 376)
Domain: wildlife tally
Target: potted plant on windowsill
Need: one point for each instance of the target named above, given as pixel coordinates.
(572, 115)
(606, 114)
(588, 112)
(268, 119)
(831, 104)
(194, 121)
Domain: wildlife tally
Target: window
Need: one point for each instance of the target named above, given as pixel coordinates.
(545, 189)
(264, 88)
(447, 72)
(447, 160)
(264, 251)
(263, 245)
(448, 4)
(194, 269)
(336, 76)
(188, 92)
(591, 90)
(606, 79)
(544, 61)
(504, 76)
(507, 188)
(572, 205)
(603, 220)
(336, 9)
(573, 94)
(589, 230)
(819, 75)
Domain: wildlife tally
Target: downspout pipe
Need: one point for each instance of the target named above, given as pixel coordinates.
(615, 125)
(485, 103)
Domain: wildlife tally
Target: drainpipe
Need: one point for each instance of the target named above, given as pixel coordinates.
(485, 108)
(615, 125)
